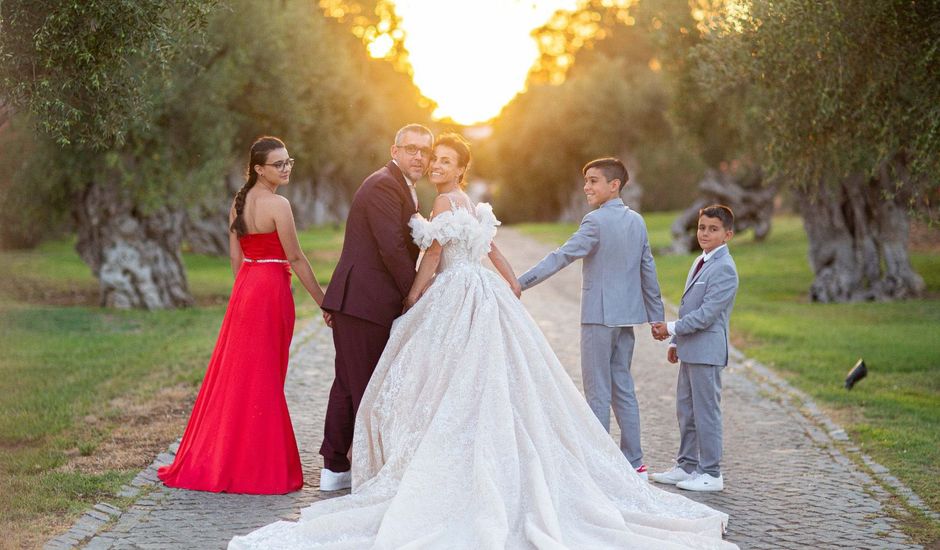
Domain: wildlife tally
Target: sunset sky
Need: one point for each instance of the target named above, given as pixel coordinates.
(473, 57)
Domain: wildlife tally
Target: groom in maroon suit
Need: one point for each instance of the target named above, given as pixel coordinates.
(374, 274)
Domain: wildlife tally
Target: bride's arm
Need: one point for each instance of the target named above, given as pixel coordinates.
(430, 260)
(429, 263)
(502, 265)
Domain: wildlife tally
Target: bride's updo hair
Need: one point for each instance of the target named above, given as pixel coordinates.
(459, 144)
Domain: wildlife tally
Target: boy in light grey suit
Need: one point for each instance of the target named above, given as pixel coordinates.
(700, 341)
(619, 289)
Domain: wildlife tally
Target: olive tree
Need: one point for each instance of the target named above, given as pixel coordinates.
(152, 106)
(843, 100)
(87, 73)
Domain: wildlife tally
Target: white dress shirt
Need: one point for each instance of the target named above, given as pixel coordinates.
(411, 185)
(671, 325)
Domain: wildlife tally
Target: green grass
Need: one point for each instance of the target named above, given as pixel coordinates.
(62, 363)
(893, 414)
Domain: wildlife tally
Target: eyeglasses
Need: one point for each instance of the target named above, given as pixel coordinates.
(282, 165)
(413, 149)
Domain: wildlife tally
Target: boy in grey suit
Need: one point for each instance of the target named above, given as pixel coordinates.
(700, 341)
(619, 289)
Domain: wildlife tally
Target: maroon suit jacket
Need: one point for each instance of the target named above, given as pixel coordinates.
(377, 265)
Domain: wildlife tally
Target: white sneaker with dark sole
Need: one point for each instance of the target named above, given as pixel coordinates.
(335, 481)
(703, 482)
(673, 476)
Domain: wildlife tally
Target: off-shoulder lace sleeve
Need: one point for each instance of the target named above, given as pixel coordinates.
(488, 224)
(476, 230)
(422, 231)
(443, 228)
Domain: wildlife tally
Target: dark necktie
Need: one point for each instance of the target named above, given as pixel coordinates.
(698, 266)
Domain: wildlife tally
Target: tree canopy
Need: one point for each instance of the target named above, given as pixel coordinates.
(81, 67)
(600, 88)
(141, 109)
(833, 88)
(842, 101)
(182, 88)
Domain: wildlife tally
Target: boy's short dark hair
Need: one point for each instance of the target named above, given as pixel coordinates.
(612, 168)
(721, 212)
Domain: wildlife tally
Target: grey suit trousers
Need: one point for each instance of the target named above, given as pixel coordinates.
(606, 355)
(698, 408)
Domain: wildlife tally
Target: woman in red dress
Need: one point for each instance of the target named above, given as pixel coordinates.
(239, 438)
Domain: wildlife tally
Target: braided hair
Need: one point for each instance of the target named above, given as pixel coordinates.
(258, 155)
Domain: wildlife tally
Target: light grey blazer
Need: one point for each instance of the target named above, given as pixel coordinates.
(702, 329)
(619, 285)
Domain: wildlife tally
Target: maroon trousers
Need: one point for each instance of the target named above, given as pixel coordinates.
(359, 345)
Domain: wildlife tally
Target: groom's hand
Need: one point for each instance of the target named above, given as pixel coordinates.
(659, 331)
(672, 355)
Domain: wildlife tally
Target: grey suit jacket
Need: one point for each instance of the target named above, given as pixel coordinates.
(619, 285)
(702, 329)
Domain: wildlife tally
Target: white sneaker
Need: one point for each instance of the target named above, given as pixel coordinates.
(643, 472)
(703, 482)
(335, 481)
(673, 476)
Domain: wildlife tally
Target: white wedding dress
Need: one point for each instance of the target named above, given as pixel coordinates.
(471, 435)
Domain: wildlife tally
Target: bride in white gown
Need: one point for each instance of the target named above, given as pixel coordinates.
(471, 434)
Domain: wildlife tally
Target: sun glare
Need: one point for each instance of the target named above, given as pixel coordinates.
(472, 57)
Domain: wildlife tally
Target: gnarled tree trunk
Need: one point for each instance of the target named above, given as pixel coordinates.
(205, 227)
(858, 235)
(135, 256)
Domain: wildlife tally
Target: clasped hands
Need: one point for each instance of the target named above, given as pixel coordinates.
(659, 331)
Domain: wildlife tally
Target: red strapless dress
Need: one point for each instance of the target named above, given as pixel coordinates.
(239, 438)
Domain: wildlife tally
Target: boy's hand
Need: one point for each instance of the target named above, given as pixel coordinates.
(672, 355)
(659, 331)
